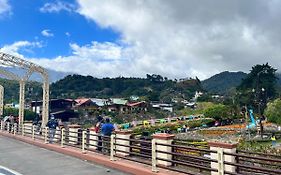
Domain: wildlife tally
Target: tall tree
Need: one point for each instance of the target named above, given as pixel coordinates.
(258, 86)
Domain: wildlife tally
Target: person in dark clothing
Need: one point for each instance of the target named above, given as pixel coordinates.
(106, 130)
(52, 125)
(98, 131)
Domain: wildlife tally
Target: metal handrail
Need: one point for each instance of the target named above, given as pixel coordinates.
(188, 164)
(134, 153)
(189, 156)
(133, 140)
(252, 167)
(187, 147)
(253, 157)
(262, 154)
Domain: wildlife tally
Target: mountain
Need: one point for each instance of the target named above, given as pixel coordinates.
(222, 82)
(153, 88)
(53, 75)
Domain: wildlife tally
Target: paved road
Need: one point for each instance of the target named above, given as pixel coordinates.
(31, 160)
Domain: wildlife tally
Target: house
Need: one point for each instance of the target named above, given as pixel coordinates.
(117, 105)
(60, 108)
(10, 105)
(162, 106)
(138, 106)
(101, 102)
(85, 104)
(197, 95)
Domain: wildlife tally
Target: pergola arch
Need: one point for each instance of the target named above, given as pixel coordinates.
(1, 100)
(12, 61)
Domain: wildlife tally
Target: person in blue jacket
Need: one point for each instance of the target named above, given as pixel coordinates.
(106, 131)
(52, 125)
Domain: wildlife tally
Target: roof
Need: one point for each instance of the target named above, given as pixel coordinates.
(119, 101)
(99, 101)
(81, 101)
(136, 104)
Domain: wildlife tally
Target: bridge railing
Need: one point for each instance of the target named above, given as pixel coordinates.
(159, 151)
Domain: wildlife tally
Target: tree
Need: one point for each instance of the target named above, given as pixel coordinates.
(217, 112)
(258, 86)
(273, 111)
(28, 115)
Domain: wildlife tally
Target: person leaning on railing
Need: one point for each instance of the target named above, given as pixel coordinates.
(106, 130)
(98, 131)
(52, 125)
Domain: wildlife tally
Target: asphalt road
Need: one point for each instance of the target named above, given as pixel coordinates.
(26, 159)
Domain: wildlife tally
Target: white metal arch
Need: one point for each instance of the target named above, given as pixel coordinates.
(9, 60)
(1, 100)
(14, 77)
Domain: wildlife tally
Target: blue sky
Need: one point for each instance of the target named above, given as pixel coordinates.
(132, 38)
(26, 23)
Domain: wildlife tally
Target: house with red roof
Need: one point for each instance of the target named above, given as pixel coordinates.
(138, 106)
(85, 104)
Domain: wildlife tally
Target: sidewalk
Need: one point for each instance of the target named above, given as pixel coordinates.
(121, 164)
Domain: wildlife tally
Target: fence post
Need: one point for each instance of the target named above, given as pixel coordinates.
(2, 122)
(8, 126)
(163, 138)
(46, 135)
(33, 132)
(93, 138)
(112, 145)
(73, 134)
(15, 128)
(220, 156)
(153, 156)
(83, 141)
(126, 143)
(62, 137)
(22, 129)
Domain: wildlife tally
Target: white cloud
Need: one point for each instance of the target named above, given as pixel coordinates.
(97, 59)
(47, 33)
(57, 7)
(4, 7)
(190, 38)
(18, 46)
(67, 34)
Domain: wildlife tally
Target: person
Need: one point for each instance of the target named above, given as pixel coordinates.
(52, 125)
(98, 131)
(273, 139)
(106, 130)
(37, 124)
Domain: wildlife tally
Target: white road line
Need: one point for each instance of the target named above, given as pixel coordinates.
(9, 170)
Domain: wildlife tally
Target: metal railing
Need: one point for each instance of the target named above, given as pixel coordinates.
(177, 156)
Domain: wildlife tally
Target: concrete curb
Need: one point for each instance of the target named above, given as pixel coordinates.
(121, 165)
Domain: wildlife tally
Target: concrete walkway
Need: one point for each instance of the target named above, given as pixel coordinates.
(27, 159)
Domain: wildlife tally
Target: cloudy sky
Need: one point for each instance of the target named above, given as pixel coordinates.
(110, 38)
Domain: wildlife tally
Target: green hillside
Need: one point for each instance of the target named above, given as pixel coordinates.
(153, 87)
(222, 82)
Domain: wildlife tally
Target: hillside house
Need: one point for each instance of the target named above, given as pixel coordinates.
(138, 106)
(85, 104)
(162, 106)
(118, 105)
(60, 108)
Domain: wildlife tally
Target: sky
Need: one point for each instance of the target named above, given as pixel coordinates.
(132, 38)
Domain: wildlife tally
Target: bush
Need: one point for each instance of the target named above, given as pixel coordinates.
(217, 112)
(273, 111)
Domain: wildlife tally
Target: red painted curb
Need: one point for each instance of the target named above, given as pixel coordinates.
(121, 164)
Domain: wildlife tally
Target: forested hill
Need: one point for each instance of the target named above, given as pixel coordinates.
(154, 87)
(222, 82)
